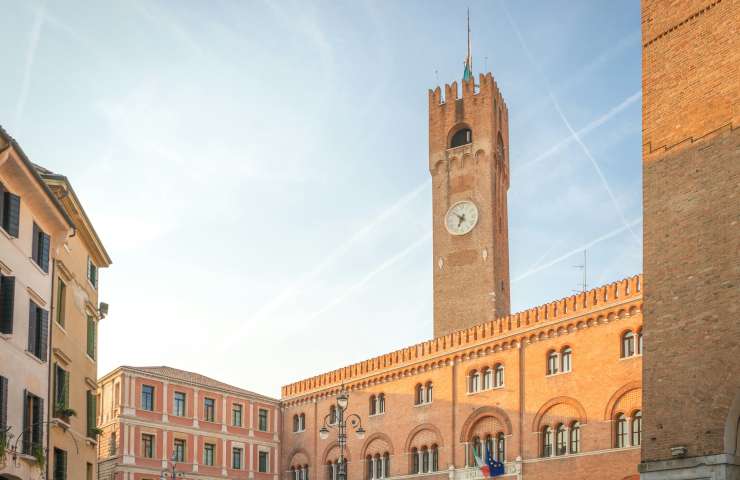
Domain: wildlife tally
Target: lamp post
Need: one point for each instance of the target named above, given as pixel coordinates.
(174, 474)
(341, 424)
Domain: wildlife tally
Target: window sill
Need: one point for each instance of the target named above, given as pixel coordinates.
(631, 357)
(38, 267)
(500, 387)
(7, 235)
(376, 415)
(423, 404)
(6, 336)
(37, 359)
(556, 374)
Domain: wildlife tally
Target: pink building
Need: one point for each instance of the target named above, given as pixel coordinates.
(154, 417)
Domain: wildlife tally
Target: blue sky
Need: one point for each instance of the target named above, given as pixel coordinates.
(258, 170)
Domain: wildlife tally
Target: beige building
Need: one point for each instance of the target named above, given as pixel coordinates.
(34, 226)
(75, 313)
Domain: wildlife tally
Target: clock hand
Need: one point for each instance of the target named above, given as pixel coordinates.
(462, 219)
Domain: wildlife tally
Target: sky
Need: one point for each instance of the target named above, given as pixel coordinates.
(258, 170)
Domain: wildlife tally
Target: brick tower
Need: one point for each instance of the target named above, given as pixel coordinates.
(691, 172)
(469, 164)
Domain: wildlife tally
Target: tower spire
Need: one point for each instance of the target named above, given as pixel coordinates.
(468, 73)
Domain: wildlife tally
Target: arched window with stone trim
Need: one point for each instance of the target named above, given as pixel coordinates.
(373, 406)
(429, 392)
(639, 342)
(560, 440)
(566, 359)
(381, 403)
(473, 381)
(302, 422)
(475, 450)
(547, 441)
(295, 423)
(424, 459)
(418, 394)
(498, 377)
(552, 362)
(333, 415)
(501, 447)
(386, 465)
(414, 460)
(435, 458)
(575, 437)
(628, 344)
(621, 431)
(637, 428)
(369, 471)
(487, 377)
(488, 447)
(378, 466)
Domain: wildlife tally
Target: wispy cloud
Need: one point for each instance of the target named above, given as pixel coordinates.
(33, 43)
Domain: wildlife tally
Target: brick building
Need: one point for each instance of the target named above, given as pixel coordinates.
(152, 417)
(553, 392)
(691, 186)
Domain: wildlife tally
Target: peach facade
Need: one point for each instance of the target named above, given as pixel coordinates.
(222, 430)
(26, 263)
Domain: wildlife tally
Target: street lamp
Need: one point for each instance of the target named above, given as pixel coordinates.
(341, 424)
(174, 474)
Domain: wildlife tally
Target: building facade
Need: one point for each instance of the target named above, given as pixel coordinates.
(35, 226)
(552, 392)
(75, 313)
(691, 185)
(154, 418)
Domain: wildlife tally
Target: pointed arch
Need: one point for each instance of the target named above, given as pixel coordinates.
(483, 412)
(298, 451)
(332, 446)
(557, 401)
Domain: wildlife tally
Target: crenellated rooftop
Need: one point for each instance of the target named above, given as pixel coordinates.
(577, 305)
(487, 86)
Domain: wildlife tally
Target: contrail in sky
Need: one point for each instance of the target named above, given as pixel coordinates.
(573, 133)
(585, 246)
(34, 37)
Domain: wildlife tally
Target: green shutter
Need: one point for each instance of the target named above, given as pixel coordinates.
(90, 414)
(91, 336)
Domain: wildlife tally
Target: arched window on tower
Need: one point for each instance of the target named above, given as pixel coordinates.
(419, 394)
(639, 342)
(498, 379)
(500, 153)
(628, 344)
(381, 403)
(373, 409)
(295, 423)
(487, 376)
(302, 422)
(333, 415)
(463, 136)
(430, 391)
(473, 381)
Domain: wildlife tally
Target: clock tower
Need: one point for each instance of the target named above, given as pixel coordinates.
(469, 164)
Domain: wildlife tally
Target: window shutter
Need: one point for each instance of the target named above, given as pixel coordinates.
(7, 296)
(35, 243)
(44, 335)
(26, 424)
(66, 389)
(32, 325)
(3, 402)
(12, 214)
(45, 252)
(39, 418)
(2, 205)
(90, 414)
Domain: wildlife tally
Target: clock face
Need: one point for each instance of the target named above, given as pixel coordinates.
(461, 217)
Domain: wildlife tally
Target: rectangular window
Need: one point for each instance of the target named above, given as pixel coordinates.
(3, 403)
(147, 445)
(236, 415)
(60, 464)
(179, 450)
(61, 298)
(262, 420)
(92, 272)
(178, 408)
(61, 391)
(264, 462)
(208, 453)
(89, 471)
(147, 398)
(236, 458)
(38, 331)
(91, 334)
(112, 447)
(7, 297)
(40, 248)
(10, 211)
(209, 409)
(91, 415)
(33, 426)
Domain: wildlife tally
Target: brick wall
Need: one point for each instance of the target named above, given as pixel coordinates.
(691, 175)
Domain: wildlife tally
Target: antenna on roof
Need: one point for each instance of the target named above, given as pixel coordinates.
(584, 285)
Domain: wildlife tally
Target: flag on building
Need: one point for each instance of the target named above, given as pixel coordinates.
(468, 72)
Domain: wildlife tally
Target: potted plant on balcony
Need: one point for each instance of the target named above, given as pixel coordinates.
(38, 454)
(64, 413)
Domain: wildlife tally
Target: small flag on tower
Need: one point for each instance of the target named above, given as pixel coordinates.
(468, 73)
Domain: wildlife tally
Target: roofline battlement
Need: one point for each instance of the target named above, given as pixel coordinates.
(575, 305)
(486, 87)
